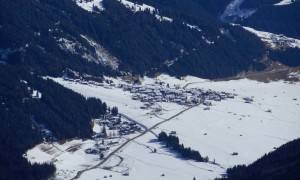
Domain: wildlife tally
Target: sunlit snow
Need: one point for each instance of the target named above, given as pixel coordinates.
(231, 125)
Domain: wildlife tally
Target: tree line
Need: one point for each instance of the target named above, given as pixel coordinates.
(63, 112)
(142, 43)
(282, 163)
(186, 153)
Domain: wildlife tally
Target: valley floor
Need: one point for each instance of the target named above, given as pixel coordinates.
(231, 125)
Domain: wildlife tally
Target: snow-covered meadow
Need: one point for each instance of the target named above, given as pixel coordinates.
(231, 125)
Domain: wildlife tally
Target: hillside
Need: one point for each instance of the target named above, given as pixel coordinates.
(54, 35)
(274, 21)
(278, 19)
(61, 59)
(34, 110)
(282, 163)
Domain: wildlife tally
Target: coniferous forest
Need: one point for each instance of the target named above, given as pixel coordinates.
(141, 43)
(185, 152)
(24, 119)
(31, 48)
(282, 163)
(276, 19)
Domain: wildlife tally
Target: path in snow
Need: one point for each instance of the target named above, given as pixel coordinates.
(132, 139)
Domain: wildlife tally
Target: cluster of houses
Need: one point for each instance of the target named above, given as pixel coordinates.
(162, 92)
(90, 82)
(159, 92)
(281, 39)
(124, 127)
(114, 124)
(98, 149)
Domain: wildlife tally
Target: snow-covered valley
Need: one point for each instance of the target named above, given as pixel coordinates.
(229, 126)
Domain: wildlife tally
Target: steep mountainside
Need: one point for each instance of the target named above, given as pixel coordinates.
(34, 109)
(274, 21)
(91, 39)
(279, 19)
(53, 35)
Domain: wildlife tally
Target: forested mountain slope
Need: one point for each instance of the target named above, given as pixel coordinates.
(40, 38)
(53, 35)
(34, 109)
(279, 19)
(283, 163)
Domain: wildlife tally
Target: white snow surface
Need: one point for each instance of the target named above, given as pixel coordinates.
(88, 6)
(284, 2)
(163, 18)
(66, 158)
(36, 94)
(227, 120)
(275, 40)
(101, 55)
(142, 163)
(136, 7)
(144, 7)
(194, 27)
(233, 12)
(229, 126)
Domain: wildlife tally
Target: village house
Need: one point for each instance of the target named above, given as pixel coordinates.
(207, 103)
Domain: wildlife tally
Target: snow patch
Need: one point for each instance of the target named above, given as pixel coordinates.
(170, 62)
(36, 94)
(136, 7)
(193, 27)
(88, 5)
(275, 40)
(163, 18)
(294, 75)
(284, 2)
(233, 12)
(101, 55)
(207, 41)
(144, 7)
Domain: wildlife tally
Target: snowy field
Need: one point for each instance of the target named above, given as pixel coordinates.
(231, 125)
(69, 157)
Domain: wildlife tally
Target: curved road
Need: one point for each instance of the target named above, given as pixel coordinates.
(132, 139)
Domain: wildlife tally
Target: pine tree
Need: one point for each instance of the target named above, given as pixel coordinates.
(114, 111)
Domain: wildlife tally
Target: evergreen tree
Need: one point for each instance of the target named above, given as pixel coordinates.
(114, 111)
